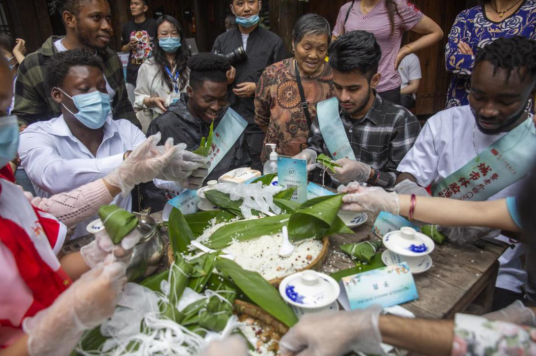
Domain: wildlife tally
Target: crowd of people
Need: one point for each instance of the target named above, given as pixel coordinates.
(76, 135)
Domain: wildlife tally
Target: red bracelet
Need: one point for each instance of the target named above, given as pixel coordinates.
(412, 206)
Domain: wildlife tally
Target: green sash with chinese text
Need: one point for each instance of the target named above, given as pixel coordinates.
(500, 165)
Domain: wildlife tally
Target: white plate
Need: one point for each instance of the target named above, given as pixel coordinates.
(391, 258)
(206, 207)
(352, 219)
(95, 227)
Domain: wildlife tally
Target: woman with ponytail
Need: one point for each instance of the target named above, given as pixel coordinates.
(388, 20)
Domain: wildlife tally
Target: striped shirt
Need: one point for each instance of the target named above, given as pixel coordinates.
(377, 23)
(33, 101)
(381, 139)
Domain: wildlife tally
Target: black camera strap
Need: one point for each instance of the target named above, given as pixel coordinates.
(303, 103)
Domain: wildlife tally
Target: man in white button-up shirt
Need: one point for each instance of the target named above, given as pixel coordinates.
(84, 144)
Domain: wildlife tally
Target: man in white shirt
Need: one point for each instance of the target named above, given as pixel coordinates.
(84, 144)
(410, 73)
(502, 84)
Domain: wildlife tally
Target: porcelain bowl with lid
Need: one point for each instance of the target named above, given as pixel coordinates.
(310, 292)
(409, 246)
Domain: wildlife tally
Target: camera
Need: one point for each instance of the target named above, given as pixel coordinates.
(236, 56)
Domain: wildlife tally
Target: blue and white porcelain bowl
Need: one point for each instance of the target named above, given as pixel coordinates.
(410, 246)
(310, 292)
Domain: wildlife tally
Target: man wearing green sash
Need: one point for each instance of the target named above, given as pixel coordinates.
(484, 151)
(188, 120)
(366, 135)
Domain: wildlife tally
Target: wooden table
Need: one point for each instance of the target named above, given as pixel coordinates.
(461, 277)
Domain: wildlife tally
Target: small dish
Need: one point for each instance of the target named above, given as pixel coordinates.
(95, 227)
(204, 206)
(353, 219)
(417, 265)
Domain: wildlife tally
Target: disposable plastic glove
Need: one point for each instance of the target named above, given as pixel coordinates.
(373, 199)
(56, 330)
(516, 313)
(232, 346)
(143, 165)
(183, 163)
(462, 235)
(335, 334)
(310, 156)
(195, 180)
(409, 187)
(97, 251)
(351, 170)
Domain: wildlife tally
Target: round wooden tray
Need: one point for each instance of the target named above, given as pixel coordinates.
(243, 308)
(314, 265)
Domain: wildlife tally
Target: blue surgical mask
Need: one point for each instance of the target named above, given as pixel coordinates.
(93, 108)
(248, 22)
(170, 44)
(9, 139)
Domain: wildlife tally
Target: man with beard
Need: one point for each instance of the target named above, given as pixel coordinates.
(88, 25)
(367, 134)
(481, 151)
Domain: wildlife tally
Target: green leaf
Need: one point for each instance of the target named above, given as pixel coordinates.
(247, 230)
(431, 232)
(224, 201)
(327, 162)
(199, 222)
(286, 194)
(206, 143)
(375, 263)
(204, 264)
(266, 179)
(287, 206)
(258, 290)
(363, 251)
(154, 282)
(315, 218)
(180, 275)
(339, 227)
(180, 234)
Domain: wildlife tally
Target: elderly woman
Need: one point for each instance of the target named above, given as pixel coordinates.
(162, 78)
(284, 87)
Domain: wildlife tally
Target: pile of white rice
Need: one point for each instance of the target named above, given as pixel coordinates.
(261, 254)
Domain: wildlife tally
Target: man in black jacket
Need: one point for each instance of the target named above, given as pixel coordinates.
(263, 49)
(189, 119)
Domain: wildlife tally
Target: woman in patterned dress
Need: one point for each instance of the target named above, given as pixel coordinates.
(476, 27)
(278, 104)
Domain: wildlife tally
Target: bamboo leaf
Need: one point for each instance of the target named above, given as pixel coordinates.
(180, 234)
(285, 194)
(327, 162)
(247, 230)
(315, 218)
(266, 179)
(180, 275)
(224, 201)
(287, 206)
(363, 251)
(205, 264)
(154, 282)
(199, 222)
(258, 290)
(339, 227)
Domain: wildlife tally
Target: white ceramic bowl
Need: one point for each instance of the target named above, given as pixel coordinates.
(310, 292)
(408, 242)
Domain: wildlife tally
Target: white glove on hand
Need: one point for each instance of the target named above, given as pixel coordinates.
(334, 334)
(183, 163)
(310, 156)
(232, 346)
(56, 330)
(143, 165)
(408, 187)
(97, 251)
(351, 170)
(195, 180)
(516, 313)
(373, 199)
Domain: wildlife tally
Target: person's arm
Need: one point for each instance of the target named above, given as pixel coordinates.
(74, 265)
(424, 337)
(18, 348)
(142, 92)
(19, 51)
(29, 105)
(453, 212)
(263, 102)
(431, 34)
(338, 30)
(457, 61)
(412, 87)
(122, 108)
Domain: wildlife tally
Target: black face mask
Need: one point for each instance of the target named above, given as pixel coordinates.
(507, 123)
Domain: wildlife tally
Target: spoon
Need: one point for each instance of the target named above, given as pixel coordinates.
(287, 248)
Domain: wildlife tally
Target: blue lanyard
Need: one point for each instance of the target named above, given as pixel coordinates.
(174, 79)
